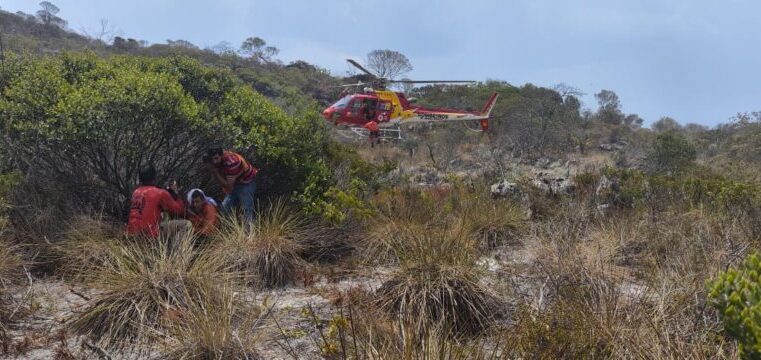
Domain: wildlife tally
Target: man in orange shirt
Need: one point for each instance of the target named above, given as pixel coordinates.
(202, 213)
(372, 127)
(148, 202)
(236, 176)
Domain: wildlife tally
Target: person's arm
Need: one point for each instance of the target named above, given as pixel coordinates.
(171, 205)
(221, 179)
(233, 170)
(209, 220)
(231, 179)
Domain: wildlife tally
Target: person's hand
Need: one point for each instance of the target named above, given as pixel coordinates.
(174, 188)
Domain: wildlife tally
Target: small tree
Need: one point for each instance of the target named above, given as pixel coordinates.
(48, 14)
(670, 153)
(610, 107)
(257, 49)
(388, 63)
(179, 43)
(666, 124)
(127, 45)
(223, 48)
(633, 120)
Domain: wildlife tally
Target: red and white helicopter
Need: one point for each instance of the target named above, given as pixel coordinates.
(389, 108)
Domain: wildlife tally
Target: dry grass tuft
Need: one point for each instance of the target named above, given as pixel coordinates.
(143, 286)
(11, 273)
(437, 282)
(85, 246)
(359, 330)
(627, 286)
(493, 223)
(270, 249)
(218, 331)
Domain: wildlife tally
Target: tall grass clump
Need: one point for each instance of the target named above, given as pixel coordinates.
(624, 286)
(269, 251)
(493, 223)
(11, 272)
(357, 328)
(142, 286)
(437, 281)
(227, 329)
(85, 246)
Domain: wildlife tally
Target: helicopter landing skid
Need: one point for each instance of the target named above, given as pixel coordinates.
(385, 134)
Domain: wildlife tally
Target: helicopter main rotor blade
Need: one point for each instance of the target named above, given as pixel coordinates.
(348, 85)
(358, 66)
(433, 81)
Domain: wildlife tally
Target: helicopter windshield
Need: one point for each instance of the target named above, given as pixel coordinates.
(340, 104)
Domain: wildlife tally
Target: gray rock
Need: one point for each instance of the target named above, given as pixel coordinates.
(543, 163)
(603, 188)
(504, 188)
(614, 146)
(550, 184)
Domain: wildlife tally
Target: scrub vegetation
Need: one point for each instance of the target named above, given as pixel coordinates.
(562, 233)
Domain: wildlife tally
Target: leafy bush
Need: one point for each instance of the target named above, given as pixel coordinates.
(735, 294)
(670, 153)
(88, 123)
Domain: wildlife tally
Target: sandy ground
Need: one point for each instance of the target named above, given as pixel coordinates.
(49, 302)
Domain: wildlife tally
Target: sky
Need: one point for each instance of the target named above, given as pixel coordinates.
(697, 61)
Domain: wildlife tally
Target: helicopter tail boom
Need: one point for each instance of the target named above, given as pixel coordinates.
(486, 111)
(489, 106)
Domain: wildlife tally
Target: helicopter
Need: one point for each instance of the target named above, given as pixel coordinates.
(390, 108)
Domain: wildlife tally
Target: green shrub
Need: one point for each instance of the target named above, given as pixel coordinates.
(670, 153)
(736, 294)
(87, 124)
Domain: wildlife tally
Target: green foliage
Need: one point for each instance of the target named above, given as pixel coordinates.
(671, 152)
(586, 182)
(531, 120)
(88, 123)
(354, 180)
(736, 295)
(726, 198)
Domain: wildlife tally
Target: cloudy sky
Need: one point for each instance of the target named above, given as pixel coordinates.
(694, 60)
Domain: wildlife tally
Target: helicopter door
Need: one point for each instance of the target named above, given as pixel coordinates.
(354, 109)
(384, 111)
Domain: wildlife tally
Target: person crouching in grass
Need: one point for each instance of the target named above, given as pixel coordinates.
(202, 213)
(147, 204)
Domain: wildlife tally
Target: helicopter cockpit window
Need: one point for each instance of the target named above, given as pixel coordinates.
(340, 104)
(356, 104)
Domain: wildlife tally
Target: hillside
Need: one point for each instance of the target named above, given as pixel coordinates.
(563, 232)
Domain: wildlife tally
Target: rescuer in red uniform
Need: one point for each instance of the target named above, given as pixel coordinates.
(372, 127)
(148, 202)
